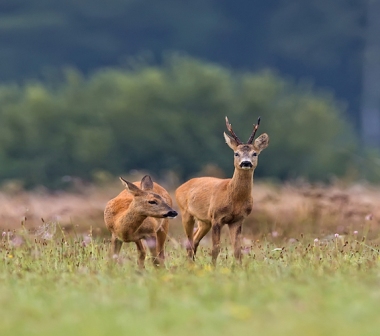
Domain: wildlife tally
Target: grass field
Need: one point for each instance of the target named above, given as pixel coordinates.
(311, 267)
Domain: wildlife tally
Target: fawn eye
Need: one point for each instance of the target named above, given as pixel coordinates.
(152, 202)
(254, 154)
(236, 154)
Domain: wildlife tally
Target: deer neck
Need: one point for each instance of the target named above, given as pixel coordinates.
(133, 219)
(240, 186)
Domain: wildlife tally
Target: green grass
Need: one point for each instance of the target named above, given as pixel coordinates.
(60, 287)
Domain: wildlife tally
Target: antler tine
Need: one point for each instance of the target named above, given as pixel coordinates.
(252, 137)
(229, 127)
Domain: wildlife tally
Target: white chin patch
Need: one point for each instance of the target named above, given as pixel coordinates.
(171, 217)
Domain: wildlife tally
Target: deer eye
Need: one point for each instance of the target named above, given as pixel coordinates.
(236, 154)
(152, 202)
(254, 154)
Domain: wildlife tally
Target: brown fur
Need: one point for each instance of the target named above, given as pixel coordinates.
(130, 218)
(214, 202)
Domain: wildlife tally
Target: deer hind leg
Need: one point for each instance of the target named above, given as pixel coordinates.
(216, 229)
(141, 253)
(115, 245)
(188, 224)
(235, 236)
(201, 231)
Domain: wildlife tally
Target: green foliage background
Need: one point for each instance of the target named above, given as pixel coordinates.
(167, 118)
(317, 39)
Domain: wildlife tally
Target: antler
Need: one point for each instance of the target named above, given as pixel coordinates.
(229, 127)
(250, 140)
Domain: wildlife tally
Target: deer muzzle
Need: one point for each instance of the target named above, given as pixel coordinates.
(246, 164)
(171, 214)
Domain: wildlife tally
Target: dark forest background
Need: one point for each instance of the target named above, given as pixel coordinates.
(91, 88)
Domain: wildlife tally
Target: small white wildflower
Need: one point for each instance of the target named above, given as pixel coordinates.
(47, 230)
(87, 239)
(17, 241)
(151, 243)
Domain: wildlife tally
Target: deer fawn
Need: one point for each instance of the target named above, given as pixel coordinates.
(213, 202)
(140, 213)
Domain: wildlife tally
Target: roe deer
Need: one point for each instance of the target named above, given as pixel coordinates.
(213, 202)
(137, 214)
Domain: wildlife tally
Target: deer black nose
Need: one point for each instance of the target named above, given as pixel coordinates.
(171, 214)
(246, 164)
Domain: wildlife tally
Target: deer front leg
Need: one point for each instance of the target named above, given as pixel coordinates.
(216, 228)
(235, 236)
(161, 235)
(141, 253)
(152, 245)
(155, 245)
(115, 245)
(188, 224)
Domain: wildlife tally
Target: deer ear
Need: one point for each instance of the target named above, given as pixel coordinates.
(231, 142)
(146, 183)
(261, 142)
(135, 191)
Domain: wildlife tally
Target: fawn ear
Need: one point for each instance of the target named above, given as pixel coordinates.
(135, 191)
(261, 142)
(231, 142)
(146, 183)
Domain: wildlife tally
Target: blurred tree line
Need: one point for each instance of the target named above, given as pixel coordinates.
(110, 112)
(318, 39)
(168, 118)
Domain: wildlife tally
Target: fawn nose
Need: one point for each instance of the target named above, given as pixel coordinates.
(171, 214)
(246, 164)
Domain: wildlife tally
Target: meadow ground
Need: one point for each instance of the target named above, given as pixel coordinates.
(311, 267)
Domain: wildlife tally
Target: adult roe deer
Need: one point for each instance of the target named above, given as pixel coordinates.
(141, 211)
(213, 202)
